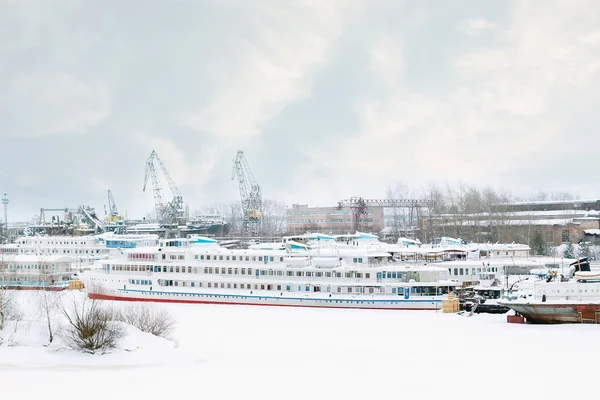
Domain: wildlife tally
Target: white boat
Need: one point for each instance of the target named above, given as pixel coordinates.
(198, 270)
(571, 298)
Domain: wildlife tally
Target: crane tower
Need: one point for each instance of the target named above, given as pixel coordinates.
(112, 207)
(167, 213)
(250, 194)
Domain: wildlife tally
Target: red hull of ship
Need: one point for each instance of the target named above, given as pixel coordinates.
(549, 313)
(98, 296)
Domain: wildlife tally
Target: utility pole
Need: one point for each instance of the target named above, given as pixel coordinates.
(5, 202)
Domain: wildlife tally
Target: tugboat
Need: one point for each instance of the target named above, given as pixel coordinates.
(562, 299)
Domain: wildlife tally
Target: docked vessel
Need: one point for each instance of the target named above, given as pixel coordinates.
(51, 262)
(198, 270)
(560, 299)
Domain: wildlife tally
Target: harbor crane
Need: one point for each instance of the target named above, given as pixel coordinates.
(359, 207)
(112, 207)
(167, 213)
(113, 214)
(250, 194)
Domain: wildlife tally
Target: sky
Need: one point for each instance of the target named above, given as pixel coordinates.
(328, 100)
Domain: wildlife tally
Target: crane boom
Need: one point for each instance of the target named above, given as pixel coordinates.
(250, 193)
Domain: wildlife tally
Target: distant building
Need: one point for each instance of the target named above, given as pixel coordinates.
(557, 221)
(302, 218)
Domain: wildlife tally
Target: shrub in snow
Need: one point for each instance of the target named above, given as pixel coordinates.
(9, 310)
(91, 327)
(148, 319)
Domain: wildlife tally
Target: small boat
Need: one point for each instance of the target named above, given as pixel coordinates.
(574, 299)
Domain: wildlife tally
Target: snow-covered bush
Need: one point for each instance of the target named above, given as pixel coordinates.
(148, 318)
(91, 327)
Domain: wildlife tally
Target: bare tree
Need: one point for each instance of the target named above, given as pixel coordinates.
(273, 217)
(91, 327)
(48, 299)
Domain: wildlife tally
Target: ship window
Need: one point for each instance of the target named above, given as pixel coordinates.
(223, 271)
(298, 273)
(235, 271)
(233, 257)
(208, 257)
(164, 269)
(260, 258)
(339, 289)
(462, 271)
(249, 271)
(221, 258)
(338, 274)
(171, 269)
(360, 259)
(229, 271)
(243, 271)
(229, 286)
(328, 274)
(271, 272)
(308, 273)
(319, 274)
(262, 287)
(176, 269)
(247, 258)
(271, 259)
(253, 258)
(227, 258)
(189, 270)
(222, 285)
(288, 288)
(193, 284)
(209, 284)
(368, 275)
(280, 259)
(348, 274)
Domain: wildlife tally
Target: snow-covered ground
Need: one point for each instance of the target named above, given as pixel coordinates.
(251, 352)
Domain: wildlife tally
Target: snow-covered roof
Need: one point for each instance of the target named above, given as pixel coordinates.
(36, 258)
(548, 202)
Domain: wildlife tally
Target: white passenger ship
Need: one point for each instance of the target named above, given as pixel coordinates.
(198, 270)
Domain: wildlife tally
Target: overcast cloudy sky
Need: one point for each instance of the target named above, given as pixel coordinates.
(328, 99)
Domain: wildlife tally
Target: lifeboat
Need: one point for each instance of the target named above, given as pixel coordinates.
(325, 262)
(296, 261)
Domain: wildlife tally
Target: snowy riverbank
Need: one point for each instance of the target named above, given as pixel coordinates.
(246, 352)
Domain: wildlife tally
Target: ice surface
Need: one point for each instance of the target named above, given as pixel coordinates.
(252, 352)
